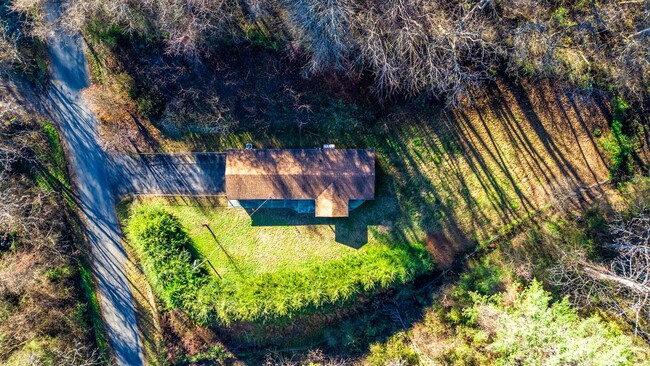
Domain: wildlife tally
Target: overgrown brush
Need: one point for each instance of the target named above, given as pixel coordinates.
(43, 317)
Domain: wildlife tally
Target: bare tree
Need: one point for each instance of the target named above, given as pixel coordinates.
(323, 27)
(631, 268)
(8, 49)
(623, 285)
(187, 27)
(414, 46)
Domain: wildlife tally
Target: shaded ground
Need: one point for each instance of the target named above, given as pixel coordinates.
(465, 173)
(168, 174)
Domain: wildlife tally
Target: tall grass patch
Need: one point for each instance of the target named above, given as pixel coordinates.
(619, 144)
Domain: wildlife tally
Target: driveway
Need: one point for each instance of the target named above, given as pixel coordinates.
(101, 179)
(193, 174)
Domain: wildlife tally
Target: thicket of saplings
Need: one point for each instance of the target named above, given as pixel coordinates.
(162, 245)
(509, 327)
(410, 46)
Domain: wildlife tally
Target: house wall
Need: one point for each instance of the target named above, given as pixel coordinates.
(300, 206)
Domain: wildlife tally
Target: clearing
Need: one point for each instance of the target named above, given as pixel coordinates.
(261, 269)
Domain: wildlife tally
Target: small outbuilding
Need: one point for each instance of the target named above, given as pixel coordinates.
(328, 182)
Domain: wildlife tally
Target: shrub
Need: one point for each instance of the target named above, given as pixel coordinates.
(534, 332)
(162, 245)
(619, 144)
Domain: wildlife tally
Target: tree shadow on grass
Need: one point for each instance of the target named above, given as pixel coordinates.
(451, 181)
(349, 328)
(426, 180)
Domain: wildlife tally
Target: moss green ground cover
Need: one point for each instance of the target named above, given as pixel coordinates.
(255, 273)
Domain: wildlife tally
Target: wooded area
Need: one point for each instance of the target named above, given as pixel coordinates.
(410, 46)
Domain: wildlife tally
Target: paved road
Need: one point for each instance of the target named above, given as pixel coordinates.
(88, 164)
(101, 179)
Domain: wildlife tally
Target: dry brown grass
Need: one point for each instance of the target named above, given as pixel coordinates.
(147, 314)
(479, 170)
(121, 127)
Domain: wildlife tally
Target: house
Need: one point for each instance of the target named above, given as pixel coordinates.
(328, 182)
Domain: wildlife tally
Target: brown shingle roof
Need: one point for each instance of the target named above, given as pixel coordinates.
(331, 203)
(330, 177)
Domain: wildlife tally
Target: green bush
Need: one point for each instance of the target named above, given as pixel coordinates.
(484, 278)
(162, 245)
(619, 144)
(535, 332)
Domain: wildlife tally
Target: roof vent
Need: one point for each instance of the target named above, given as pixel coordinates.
(328, 147)
(249, 146)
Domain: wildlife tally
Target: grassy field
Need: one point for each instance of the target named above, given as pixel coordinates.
(238, 244)
(262, 269)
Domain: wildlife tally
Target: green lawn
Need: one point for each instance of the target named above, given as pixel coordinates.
(238, 248)
(274, 265)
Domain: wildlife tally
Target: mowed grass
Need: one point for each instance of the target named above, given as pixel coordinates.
(220, 265)
(239, 248)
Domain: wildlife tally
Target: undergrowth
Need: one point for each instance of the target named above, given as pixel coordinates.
(620, 144)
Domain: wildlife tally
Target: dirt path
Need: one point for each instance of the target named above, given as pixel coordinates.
(88, 163)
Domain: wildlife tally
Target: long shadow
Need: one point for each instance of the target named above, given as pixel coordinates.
(356, 324)
(189, 174)
(574, 134)
(483, 173)
(525, 104)
(452, 145)
(230, 259)
(568, 172)
(518, 138)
